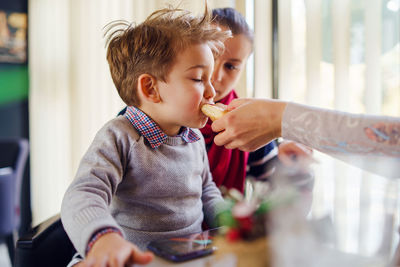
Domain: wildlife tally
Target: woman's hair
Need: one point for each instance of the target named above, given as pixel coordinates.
(234, 21)
(152, 46)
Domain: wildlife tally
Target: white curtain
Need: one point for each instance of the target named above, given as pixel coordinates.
(353, 77)
(262, 48)
(71, 91)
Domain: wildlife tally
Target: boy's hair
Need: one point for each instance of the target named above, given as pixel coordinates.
(233, 20)
(152, 46)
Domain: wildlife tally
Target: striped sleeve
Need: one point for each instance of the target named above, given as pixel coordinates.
(261, 162)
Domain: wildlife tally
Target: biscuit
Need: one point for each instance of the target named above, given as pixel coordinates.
(214, 112)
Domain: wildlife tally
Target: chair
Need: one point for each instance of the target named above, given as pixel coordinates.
(13, 156)
(45, 245)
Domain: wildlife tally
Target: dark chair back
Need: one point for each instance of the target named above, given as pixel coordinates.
(13, 155)
(45, 245)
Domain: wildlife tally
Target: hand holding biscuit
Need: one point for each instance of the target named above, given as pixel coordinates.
(249, 124)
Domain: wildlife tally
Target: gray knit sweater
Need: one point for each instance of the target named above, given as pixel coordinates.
(146, 193)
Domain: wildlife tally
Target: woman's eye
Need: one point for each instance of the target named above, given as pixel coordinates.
(229, 66)
(197, 80)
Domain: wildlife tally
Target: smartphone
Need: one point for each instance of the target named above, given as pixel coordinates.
(184, 248)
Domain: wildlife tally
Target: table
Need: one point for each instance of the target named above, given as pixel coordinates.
(344, 217)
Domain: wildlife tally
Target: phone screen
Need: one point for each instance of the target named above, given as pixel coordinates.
(185, 248)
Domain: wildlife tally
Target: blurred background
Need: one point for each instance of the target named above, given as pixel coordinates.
(56, 90)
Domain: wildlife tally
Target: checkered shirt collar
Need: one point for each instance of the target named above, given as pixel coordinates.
(152, 132)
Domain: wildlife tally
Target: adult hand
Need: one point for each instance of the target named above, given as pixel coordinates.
(250, 124)
(112, 250)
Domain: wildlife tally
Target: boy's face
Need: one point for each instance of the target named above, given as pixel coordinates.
(187, 87)
(230, 65)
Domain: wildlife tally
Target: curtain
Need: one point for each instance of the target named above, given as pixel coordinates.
(345, 55)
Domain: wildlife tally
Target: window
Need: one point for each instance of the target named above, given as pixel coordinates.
(343, 55)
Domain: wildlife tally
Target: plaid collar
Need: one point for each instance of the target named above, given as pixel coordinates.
(151, 131)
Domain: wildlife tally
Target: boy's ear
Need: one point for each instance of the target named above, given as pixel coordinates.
(148, 89)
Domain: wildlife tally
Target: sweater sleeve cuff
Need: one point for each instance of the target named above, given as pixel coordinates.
(99, 234)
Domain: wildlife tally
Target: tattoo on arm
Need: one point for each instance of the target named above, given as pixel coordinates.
(387, 133)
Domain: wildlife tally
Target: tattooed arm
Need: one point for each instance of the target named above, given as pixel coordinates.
(252, 123)
(369, 142)
(340, 132)
(386, 133)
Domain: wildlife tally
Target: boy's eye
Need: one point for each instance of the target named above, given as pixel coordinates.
(230, 66)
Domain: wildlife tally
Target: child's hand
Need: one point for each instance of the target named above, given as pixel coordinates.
(112, 250)
(293, 154)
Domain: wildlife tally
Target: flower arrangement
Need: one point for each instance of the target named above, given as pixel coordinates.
(241, 218)
(245, 226)
(245, 217)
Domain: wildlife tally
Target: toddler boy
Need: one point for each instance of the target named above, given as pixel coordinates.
(146, 174)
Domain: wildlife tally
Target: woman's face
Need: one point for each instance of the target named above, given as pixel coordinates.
(230, 64)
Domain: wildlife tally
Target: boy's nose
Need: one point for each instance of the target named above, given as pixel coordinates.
(209, 92)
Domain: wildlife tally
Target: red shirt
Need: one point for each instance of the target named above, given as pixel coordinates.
(228, 166)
